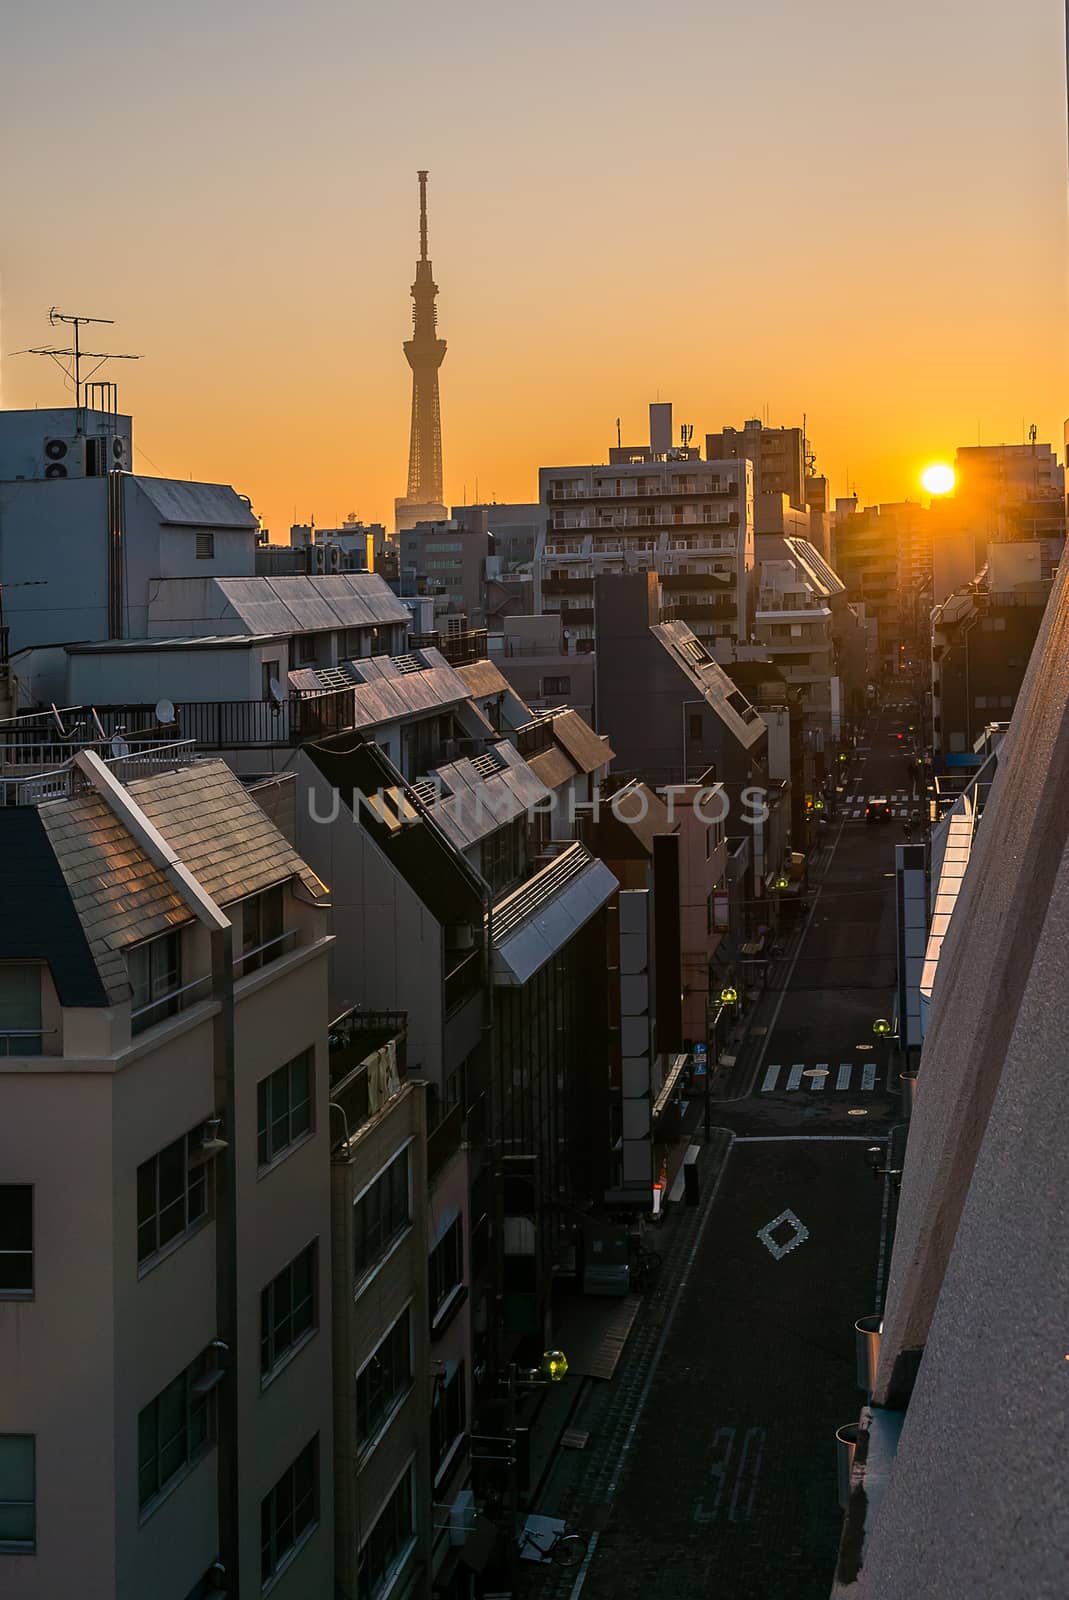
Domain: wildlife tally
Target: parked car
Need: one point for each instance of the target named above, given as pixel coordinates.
(878, 810)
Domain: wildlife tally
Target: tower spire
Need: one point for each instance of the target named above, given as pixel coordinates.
(425, 353)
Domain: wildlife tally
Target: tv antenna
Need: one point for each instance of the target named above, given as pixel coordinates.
(686, 434)
(76, 355)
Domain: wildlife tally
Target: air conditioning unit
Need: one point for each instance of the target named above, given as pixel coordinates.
(335, 555)
(63, 458)
(318, 558)
(118, 452)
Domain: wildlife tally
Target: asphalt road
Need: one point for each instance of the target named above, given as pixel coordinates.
(728, 1484)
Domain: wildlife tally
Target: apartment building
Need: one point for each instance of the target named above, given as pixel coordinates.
(798, 598)
(688, 520)
(778, 457)
(882, 556)
(164, 1182)
(982, 639)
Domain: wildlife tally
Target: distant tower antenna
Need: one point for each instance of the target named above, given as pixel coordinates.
(76, 355)
(1033, 435)
(618, 440)
(425, 353)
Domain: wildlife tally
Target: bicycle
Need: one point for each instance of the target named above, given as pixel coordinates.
(566, 1547)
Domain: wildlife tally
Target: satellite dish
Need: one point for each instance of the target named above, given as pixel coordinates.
(165, 713)
(274, 688)
(567, 633)
(119, 746)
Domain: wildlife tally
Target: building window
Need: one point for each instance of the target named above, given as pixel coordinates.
(174, 1430)
(694, 723)
(289, 1512)
(388, 1543)
(20, 1008)
(262, 930)
(172, 1194)
(381, 1214)
(284, 1107)
(446, 1268)
(16, 1240)
(155, 978)
(448, 1416)
(386, 1377)
(205, 546)
(288, 1309)
(556, 685)
(18, 1529)
(304, 648)
(270, 673)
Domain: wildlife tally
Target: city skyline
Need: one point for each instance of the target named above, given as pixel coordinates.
(895, 277)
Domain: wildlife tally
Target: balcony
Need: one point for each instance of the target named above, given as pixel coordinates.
(206, 724)
(464, 980)
(356, 1079)
(444, 1140)
(459, 649)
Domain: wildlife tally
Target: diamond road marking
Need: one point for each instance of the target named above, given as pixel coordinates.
(843, 1080)
(778, 1251)
(868, 1075)
(770, 1080)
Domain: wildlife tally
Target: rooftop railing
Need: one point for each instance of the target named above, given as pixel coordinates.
(63, 779)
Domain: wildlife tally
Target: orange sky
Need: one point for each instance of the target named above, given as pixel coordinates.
(810, 209)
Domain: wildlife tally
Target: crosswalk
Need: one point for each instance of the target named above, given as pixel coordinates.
(900, 804)
(812, 1079)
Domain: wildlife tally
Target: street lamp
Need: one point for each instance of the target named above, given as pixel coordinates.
(883, 1029)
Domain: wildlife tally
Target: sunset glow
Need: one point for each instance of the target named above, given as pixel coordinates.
(938, 479)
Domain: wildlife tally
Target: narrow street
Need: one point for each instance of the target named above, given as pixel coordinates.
(725, 1483)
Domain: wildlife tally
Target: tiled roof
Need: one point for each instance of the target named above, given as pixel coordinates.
(121, 898)
(484, 678)
(589, 750)
(46, 927)
(309, 605)
(196, 505)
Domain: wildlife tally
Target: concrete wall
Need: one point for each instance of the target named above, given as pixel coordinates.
(388, 953)
(125, 676)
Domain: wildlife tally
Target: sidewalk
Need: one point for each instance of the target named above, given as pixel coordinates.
(579, 1484)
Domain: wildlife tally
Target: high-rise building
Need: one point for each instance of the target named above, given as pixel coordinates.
(651, 509)
(425, 353)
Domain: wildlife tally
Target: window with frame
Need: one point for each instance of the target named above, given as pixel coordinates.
(556, 685)
(18, 1497)
(205, 546)
(20, 1008)
(16, 1241)
(262, 928)
(388, 1542)
(155, 970)
(382, 1381)
(290, 1511)
(284, 1107)
(288, 1309)
(172, 1194)
(694, 724)
(174, 1431)
(448, 1415)
(381, 1214)
(445, 1267)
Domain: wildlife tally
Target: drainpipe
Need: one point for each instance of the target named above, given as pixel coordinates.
(226, 1250)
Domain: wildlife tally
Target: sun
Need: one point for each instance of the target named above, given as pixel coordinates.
(938, 479)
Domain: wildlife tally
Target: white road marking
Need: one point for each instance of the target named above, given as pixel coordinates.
(795, 1076)
(799, 1236)
(820, 1081)
(868, 1075)
(753, 1447)
(770, 1080)
(843, 1080)
(723, 1445)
